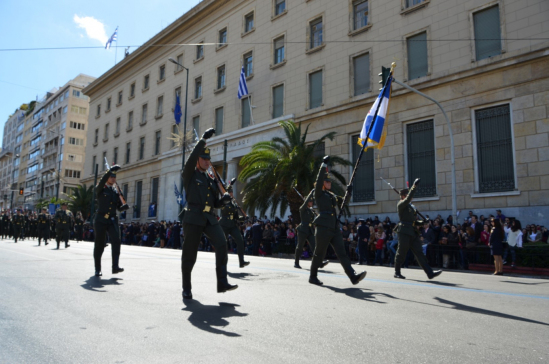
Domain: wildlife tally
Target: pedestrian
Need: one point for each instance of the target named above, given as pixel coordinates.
(496, 245)
(514, 241)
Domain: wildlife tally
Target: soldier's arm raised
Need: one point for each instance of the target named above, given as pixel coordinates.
(307, 199)
(322, 173)
(191, 162)
(412, 191)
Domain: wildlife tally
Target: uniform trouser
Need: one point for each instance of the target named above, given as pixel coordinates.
(43, 233)
(79, 233)
(237, 236)
(62, 235)
(16, 234)
(412, 243)
(325, 236)
(301, 239)
(192, 234)
(101, 231)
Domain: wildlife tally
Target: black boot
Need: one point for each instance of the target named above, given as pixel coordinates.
(436, 273)
(57, 245)
(222, 282)
(98, 273)
(313, 279)
(324, 263)
(242, 262)
(296, 263)
(116, 270)
(46, 242)
(397, 273)
(66, 245)
(187, 293)
(355, 278)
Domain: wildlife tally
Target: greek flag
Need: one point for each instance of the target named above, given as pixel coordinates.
(111, 39)
(242, 86)
(378, 133)
(179, 197)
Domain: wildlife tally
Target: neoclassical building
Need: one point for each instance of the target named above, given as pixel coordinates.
(317, 62)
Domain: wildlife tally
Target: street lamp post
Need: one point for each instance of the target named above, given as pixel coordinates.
(184, 125)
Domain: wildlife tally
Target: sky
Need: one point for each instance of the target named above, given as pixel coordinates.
(62, 23)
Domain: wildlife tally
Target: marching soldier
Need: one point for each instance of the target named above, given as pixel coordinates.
(230, 217)
(199, 217)
(106, 221)
(5, 224)
(18, 225)
(409, 235)
(306, 230)
(63, 223)
(44, 226)
(327, 228)
(79, 226)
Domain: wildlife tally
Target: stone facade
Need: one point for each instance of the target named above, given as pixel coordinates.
(515, 75)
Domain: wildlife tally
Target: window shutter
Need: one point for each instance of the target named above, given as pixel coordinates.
(487, 33)
(363, 185)
(278, 101)
(219, 121)
(315, 89)
(245, 112)
(361, 67)
(420, 140)
(417, 56)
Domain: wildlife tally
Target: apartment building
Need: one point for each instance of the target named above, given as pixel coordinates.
(317, 62)
(9, 157)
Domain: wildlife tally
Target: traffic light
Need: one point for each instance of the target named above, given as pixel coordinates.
(21, 191)
(385, 73)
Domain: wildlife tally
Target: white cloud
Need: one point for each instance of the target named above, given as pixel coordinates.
(93, 27)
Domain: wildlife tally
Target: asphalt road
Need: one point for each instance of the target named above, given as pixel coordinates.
(52, 310)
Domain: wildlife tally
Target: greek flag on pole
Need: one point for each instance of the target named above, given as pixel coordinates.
(111, 39)
(242, 86)
(379, 128)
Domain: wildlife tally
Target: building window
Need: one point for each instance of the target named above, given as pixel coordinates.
(144, 114)
(94, 162)
(141, 148)
(315, 89)
(221, 77)
(162, 73)
(96, 136)
(132, 90)
(157, 143)
(115, 156)
(179, 61)
(72, 174)
(222, 37)
(360, 14)
(280, 6)
(363, 186)
(487, 33)
(77, 141)
(106, 134)
(219, 121)
(196, 124)
(109, 100)
(128, 152)
(361, 74)
(103, 166)
(138, 193)
(278, 45)
(248, 64)
(420, 153)
(494, 148)
(117, 130)
(278, 101)
(175, 132)
(249, 22)
(98, 110)
(77, 126)
(315, 31)
(200, 51)
(417, 56)
(146, 82)
(246, 111)
(159, 106)
(130, 120)
(198, 88)
(120, 97)
(153, 206)
(410, 3)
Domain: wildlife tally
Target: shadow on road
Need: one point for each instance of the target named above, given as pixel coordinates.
(462, 307)
(243, 276)
(445, 284)
(360, 293)
(95, 283)
(212, 318)
(525, 283)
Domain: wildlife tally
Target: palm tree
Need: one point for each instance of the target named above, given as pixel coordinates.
(273, 168)
(44, 202)
(81, 200)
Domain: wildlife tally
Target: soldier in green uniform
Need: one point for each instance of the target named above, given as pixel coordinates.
(199, 217)
(306, 230)
(63, 224)
(79, 226)
(44, 226)
(327, 228)
(18, 225)
(5, 225)
(408, 234)
(106, 221)
(230, 218)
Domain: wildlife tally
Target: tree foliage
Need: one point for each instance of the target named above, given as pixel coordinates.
(81, 200)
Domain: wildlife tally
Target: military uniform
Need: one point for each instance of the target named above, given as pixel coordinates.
(106, 221)
(5, 225)
(230, 217)
(305, 230)
(199, 218)
(409, 236)
(63, 223)
(79, 228)
(18, 226)
(44, 220)
(328, 230)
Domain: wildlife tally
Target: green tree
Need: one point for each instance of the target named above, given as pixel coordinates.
(44, 202)
(273, 168)
(81, 199)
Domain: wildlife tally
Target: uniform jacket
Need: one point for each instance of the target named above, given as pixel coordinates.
(307, 217)
(230, 214)
(201, 191)
(326, 202)
(63, 219)
(108, 200)
(407, 215)
(18, 221)
(44, 221)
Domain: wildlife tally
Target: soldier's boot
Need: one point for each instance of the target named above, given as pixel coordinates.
(296, 263)
(187, 287)
(45, 241)
(222, 282)
(397, 272)
(434, 274)
(66, 244)
(313, 279)
(355, 278)
(58, 242)
(115, 267)
(324, 263)
(241, 261)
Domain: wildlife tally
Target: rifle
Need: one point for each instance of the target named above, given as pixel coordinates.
(411, 205)
(303, 198)
(124, 206)
(221, 186)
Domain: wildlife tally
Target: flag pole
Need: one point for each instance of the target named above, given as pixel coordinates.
(353, 175)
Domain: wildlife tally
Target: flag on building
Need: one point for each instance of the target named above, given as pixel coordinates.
(179, 197)
(177, 111)
(111, 39)
(242, 86)
(376, 138)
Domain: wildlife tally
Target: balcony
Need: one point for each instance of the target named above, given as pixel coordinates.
(50, 165)
(49, 151)
(7, 152)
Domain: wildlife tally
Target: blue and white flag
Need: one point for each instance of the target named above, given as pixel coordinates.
(111, 39)
(177, 111)
(21, 116)
(179, 197)
(242, 86)
(376, 139)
